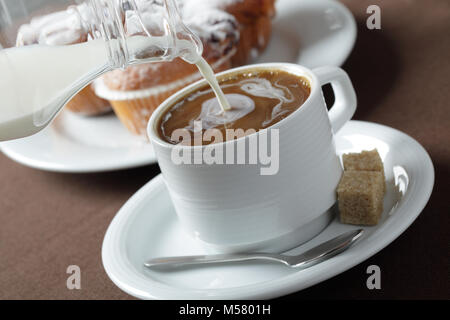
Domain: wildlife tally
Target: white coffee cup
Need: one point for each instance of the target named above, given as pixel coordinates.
(235, 208)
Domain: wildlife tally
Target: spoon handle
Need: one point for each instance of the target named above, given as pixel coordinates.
(214, 258)
(313, 256)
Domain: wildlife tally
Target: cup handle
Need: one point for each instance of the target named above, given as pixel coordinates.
(345, 97)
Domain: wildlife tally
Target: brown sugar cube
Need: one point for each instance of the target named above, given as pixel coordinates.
(360, 197)
(364, 161)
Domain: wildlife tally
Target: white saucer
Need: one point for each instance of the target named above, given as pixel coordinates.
(146, 226)
(81, 144)
(312, 33)
(309, 32)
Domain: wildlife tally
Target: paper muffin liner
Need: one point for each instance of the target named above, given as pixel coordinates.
(135, 107)
(135, 113)
(87, 103)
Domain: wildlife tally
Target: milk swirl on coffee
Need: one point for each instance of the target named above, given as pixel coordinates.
(257, 101)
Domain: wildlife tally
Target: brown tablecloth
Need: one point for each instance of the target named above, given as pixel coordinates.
(402, 77)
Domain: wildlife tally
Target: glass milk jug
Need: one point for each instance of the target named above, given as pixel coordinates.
(38, 75)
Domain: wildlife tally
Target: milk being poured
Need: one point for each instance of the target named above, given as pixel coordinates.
(36, 81)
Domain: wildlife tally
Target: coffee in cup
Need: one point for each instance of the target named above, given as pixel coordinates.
(258, 98)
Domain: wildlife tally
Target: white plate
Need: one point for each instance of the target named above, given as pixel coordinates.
(312, 33)
(146, 226)
(309, 32)
(81, 144)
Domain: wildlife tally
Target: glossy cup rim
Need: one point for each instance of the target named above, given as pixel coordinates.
(295, 69)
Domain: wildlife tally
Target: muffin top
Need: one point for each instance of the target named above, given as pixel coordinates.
(219, 33)
(206, 18)
(57, 28)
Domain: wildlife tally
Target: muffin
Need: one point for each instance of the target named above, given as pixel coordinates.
(136, 92)
(254, 18)
(255, 27)
(231, 31)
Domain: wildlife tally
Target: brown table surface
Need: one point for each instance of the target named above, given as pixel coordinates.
(401, 73)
